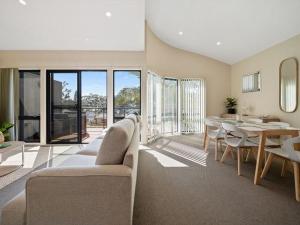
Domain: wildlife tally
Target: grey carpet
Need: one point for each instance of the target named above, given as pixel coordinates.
(174, 187)
(211, 194)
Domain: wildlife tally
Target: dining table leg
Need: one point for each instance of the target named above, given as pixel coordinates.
(260, 158)
(205, 137)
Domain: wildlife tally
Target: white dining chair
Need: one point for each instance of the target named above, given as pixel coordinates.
(215, 133)
(254, 120)
(288, 152)
(238, 140)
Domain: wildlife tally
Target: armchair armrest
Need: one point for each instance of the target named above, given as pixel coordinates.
(81, 196)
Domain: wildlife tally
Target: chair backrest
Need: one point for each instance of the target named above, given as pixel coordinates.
(212, 123)
(289, 147)
(281, 124)
(254, 120)
(240, 135)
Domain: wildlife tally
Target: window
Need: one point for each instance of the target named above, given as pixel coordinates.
(127, 93)
(29, 106)
(251, 83)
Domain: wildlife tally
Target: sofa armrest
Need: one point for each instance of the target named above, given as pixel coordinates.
(81, 196)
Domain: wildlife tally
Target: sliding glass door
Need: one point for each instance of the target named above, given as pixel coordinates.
(29, 106)
(76, 107)
(63, 107)
(127, 93)
(93, 104)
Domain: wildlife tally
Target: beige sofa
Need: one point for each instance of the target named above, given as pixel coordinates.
(87, 189)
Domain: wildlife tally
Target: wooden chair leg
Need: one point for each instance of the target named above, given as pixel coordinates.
(297, 180)
(227, 150)
(283, 168)
(239, 158)
(248, 155)
(267, 165)
(207, 144)
(216, 149)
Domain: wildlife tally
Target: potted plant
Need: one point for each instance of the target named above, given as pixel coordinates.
(4, 128)
(231, 104)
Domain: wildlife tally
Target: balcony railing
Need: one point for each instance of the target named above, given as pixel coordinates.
(121, 112)
(95, 116)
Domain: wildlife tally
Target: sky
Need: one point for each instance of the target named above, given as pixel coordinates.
(95, 81)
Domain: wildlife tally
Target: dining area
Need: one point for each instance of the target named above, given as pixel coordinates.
(242, 139)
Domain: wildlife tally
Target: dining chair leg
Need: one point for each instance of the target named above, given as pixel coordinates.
(267, 165)
(216, 149)
(283, 168)
(227, 150)
(207, 144)
(239, 156)
(248, 155)
(297, 180)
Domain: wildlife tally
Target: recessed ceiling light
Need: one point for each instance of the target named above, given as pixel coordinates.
(108, 14)
(180, 33)
(219, 43)
(22, 2)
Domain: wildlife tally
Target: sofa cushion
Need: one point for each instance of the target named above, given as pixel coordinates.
(92, 148)
(132, 117)
(115, 143)
(78, 161)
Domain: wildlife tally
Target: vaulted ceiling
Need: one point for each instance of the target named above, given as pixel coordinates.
(241, 28)
(227, 30)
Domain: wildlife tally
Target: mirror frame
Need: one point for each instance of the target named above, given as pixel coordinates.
(297, 85)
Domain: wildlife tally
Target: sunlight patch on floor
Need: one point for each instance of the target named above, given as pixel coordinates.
(36, 155)
(166, 161)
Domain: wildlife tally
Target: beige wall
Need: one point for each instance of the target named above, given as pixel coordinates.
(168, 61)
(267, 62)
(158, 57)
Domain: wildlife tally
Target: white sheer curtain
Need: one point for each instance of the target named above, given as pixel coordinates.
(192, 105)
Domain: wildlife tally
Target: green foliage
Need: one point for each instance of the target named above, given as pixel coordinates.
(4, 128)
(128, 97)
(230, 103)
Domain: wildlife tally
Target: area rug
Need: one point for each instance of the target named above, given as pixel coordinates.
(35, 157)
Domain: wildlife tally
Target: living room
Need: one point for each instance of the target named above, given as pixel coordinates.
(149, 112)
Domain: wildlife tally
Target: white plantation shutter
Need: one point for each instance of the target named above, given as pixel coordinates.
(192, 105)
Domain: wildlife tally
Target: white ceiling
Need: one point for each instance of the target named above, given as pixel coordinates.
(72, 25)
(244, 27)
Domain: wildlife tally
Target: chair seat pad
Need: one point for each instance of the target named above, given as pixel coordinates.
(234, 141)
(215, 134)
(269, 142)
(277, 151)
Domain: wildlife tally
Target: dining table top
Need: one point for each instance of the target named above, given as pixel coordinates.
(255, 127)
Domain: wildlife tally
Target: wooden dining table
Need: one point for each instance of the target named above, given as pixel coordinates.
(262, 130)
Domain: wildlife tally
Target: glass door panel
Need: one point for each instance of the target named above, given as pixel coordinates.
(127, 93)
(170, 106)
(63, 107)
(93, 104)
(29, 106)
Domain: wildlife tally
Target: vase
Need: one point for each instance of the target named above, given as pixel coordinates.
(231, 111)
(1, 138)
